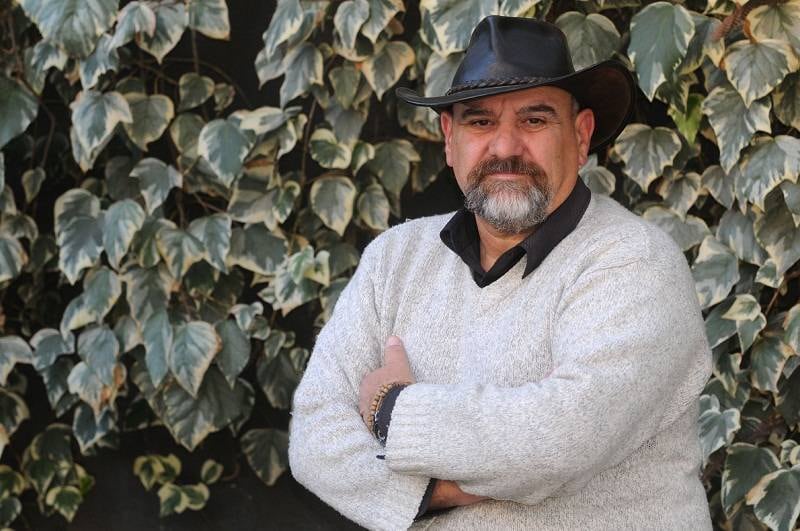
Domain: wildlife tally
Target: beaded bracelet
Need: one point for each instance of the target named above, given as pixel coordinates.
(377, 399)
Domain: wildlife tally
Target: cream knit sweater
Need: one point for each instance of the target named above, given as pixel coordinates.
(569, 397)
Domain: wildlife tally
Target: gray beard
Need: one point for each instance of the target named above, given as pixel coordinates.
(511, 207)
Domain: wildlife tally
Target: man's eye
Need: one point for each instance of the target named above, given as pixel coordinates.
(480, 123)
(536, 122)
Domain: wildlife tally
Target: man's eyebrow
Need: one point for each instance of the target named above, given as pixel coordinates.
(475, 111)
(542, 107)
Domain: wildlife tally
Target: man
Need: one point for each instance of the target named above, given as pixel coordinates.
(533, 361)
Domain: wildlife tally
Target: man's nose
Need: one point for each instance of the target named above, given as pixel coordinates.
(506, 142)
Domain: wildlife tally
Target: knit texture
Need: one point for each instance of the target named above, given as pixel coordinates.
(570, 397)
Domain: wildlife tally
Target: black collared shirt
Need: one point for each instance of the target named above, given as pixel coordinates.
(461, 236)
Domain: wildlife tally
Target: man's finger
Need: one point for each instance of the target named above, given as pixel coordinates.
(394, 353)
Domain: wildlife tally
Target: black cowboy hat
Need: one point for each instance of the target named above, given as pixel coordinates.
(509, 53)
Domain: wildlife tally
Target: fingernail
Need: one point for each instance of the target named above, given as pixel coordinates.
(393, 341)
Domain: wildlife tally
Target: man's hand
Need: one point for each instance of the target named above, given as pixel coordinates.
(447, 494)
(395, 369)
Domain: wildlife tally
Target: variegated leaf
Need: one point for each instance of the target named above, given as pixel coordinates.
(349, 17)
(13, 350)
(48, 344)
(777, 21)
(180, 249)
(715, 272)
(373, 207)
(157, 334)
(267, 451)
(769, 161)
(733, 122)
(65, 499)
(384, 68)
(286, 21)
(755, 68)
(262, 120)
(791, 196)
(345, 81)
(256, 249)
(591, 38)
(736, 231)
(439, 73)
(103, 59)
(214, 232)
(156, 179)
(79, 232)
(225, 147)
(328, 151)
(717, 427)
(134, 19)
(101, 289)
(704, 43)
(776, 499)
(184, 132)
(147, 290)
(746, 313)
(392, 163)
(210, 17)
(647, 151)
(745, 465)
(381, 13)
(74, 25)
(12, 257)
(303, 69)
(32, 183)
(235, 352)
(719, 184)
(660, 36)
(680, 193)
(332, 200)
(39, 60)
(453, 21)
(95, 115)
(194, 90)
(90, 430)
(151, 116)
(122, 220)
(791, 327)
(171, 21)
(686, 232)
(194, 345)
(598, 178)
(777, 233)
(766, 363)
(99, 348)
(785, 101)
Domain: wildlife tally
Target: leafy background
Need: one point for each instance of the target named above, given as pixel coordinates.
(171, 242)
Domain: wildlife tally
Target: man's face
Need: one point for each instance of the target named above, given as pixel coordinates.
(516, 156)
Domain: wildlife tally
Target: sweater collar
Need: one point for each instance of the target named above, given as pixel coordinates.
(461, 236)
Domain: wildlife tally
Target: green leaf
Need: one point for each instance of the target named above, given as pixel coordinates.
(65, 500)
(193, 347)
(776, 499)
(785, 101)
(18, 108)
(210, 17)
(660, 36)
(766, 363)
(12, 258)
(392, 163)
(717, 427)
(13, 411)
(10, 509)
(688, 122)
(349, 17)
(171, 20)
(194, 90)
(122, 220)
(769, 161)
(755, 68)
(745, 465)
(214, 232)
(715, 272)
(151, 116)
(332, 200)
(286, 22)
(267, 451)
(778, 21)
(327, 151)
(303, 69)
(225, 147)
(736, 231)
(147, 290)
(74, 25)
(179, 249)
(381, 12)
(452, 22)
(157, 334)
(11, 482)
(733, 122)
(210, 472)
(103, 59)
(384, 68)
(156, 179)
(101, 289)
(134, 19)
(647, 151)
(235, 352)
(373, 207)
(778, 235)
(686, 232)
(591, 38)
(256, 249)
(48, 344)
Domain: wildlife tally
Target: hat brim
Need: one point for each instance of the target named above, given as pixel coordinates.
(607, 88)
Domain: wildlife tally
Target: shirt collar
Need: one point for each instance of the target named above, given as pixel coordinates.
(460, 234)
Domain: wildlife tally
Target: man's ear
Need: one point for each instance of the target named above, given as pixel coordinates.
(584, 127)
(446, 121)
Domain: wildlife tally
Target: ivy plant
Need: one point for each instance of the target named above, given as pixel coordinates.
(167, 250)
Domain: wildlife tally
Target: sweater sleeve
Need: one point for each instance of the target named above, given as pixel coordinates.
(630, 356)
(331, 452)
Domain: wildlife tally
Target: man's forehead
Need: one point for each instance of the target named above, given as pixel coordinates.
(519, 99)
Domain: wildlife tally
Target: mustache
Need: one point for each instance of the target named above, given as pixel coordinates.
(513, 164)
